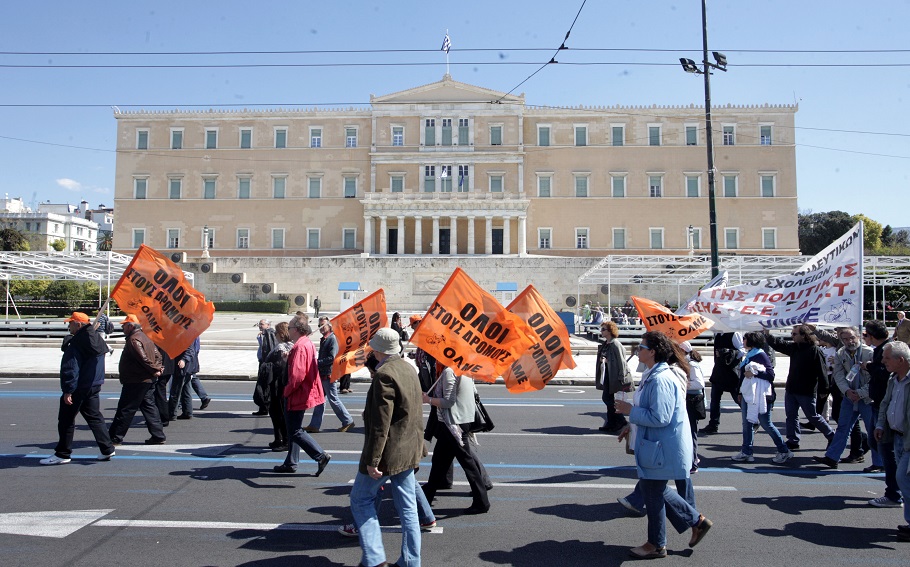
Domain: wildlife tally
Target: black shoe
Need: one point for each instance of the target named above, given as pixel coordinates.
(278, 443)
(807, 426)
(322, 463)
(905, 529)
(873, 469)
(488, 487)
(279, 448)
(284, 469)
(793, 445)
(826, 460)
(155, 441)
(115, 441)
(164, 423)
(205, 403)
(853, 458)
(476, 509)
(709, 429)
(185, 416)
(445, 487)
(261, 412)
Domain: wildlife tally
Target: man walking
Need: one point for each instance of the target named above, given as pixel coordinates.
(876, 336)
(317, 305)
(81, 377)
(267, 342)
(728, 351)
(894, 420)
(185, 367)
(328, 350)
(140, 367)
(902, 329)
(392, 449)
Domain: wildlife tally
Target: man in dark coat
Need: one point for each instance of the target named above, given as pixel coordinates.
(728, 352)
(140, 366)
(81, 377)
(267, 342)
(160, 387)
(185, 366)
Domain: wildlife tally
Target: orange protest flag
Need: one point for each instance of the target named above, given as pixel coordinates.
(468, 330)
(551, 352)
(172, 312)
(656, 317)
(354, 328)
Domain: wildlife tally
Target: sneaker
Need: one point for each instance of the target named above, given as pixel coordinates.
(743, 458)
(103, 457)
(321, 463)
(873, 469)
(628, 506)
(428, 526)
(54, 460)
(851, 459)
(205, 403)
(782, 458)
(708, 429)
(155, 441)
(348, 530)
(885, 502)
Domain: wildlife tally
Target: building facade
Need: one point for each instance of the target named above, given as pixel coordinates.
(452, 169)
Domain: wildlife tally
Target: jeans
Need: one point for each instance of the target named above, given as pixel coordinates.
(764, 419)
(424, 511)
(88, 404)
(196, 383)
(660, 499)
(181, 395)
(792, 404)
(886, 450)
(683, 488)
(849, 413)
(300, 439)
(331, 398)
(134, 397)
(902, 458)
(363, 506)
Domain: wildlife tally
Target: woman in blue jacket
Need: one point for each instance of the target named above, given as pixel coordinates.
(663, 447)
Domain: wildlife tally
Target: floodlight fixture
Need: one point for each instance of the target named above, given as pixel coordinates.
(689, 65)
(720, 60)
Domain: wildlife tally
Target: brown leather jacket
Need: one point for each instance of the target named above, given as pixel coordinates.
(140, 360)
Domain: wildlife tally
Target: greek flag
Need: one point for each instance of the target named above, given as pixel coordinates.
(446, 44)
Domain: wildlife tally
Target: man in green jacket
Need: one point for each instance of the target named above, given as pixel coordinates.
(392, 447)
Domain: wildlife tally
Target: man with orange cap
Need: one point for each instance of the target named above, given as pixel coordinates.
(140, 366)
(81, 377)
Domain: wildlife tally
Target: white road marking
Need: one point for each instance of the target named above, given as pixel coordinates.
(58, 524)
(235, 526)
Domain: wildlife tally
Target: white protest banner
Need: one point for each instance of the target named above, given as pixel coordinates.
(720, 280)
(828, 289)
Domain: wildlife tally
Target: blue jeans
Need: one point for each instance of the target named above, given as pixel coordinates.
(363, 506)
(424, 510)
(849, 413)
(683, 488)
(300, 439)
(792, 404)
(886, 450)
(659, 498)
(196, 383)
(903, 479)
(331, 398)
(764, 419)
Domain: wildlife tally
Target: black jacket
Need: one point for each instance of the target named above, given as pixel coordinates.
(808, 376)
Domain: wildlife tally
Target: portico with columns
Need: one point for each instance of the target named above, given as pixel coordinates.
(444, 224)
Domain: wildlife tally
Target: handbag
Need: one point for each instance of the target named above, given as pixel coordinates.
(482, 422)
(695, 405)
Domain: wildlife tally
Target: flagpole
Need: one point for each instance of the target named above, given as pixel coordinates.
(862, 277)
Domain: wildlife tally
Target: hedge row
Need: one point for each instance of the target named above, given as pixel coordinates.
(264, 306)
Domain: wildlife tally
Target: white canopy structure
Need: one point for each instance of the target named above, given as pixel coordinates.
(693, 270)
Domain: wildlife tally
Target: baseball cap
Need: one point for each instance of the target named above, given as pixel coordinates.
(130, 319)
(78, 317)
(416, 319)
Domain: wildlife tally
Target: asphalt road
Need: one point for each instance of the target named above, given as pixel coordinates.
(209, 497)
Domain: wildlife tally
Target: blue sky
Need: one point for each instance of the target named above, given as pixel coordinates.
(853, 124)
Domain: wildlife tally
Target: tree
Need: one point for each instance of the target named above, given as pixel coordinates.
(872, 233)
(58, 245)
(32, 289)
(818, 230)
(68, 292)
(12, 240)
(90, 291)
(105, 240)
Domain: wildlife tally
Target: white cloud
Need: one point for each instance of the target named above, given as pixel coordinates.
(69, 184)
(103, 190)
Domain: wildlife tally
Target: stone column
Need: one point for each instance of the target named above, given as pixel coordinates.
(435, 234)
(453, 235)
(367, 235)
(489, 247)
(506, 235)
(418, 234)
(471, 250)
(401, 234)
(383, 235)
(522, 235)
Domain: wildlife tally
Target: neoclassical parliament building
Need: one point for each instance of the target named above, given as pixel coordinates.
(448, 174)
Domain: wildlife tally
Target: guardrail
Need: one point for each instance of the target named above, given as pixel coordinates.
(40, 328)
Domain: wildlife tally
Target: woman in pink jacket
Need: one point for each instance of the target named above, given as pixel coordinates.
(303, 391)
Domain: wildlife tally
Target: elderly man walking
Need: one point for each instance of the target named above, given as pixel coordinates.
(392, 449)
(81, 377)
(894, 420)
(328, 350)
(140, 367)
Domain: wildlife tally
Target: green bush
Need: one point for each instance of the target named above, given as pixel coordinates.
(266, 306)
(68, 292)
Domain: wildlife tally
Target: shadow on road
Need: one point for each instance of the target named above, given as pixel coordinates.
(573, 552)
(845, 537)
(282, 561)
(249, 477)
(798, 505)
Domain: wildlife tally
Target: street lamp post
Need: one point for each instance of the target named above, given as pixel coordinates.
(689, 66)
(205, 241)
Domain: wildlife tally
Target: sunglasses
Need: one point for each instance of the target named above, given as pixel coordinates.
(644, 346)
